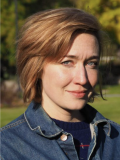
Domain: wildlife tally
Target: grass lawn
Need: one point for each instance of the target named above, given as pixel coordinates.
(9, 114)
(114, 89)
(109, 108)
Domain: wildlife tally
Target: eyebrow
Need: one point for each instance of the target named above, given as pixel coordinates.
(76, 57)
(94, 57)
(71, 56)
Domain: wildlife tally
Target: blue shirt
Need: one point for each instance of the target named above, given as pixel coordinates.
(35, 136)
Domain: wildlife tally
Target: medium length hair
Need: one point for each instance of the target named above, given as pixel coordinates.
(48, 35)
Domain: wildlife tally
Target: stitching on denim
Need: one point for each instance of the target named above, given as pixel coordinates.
(109, 131)
(38, 128)
(29, 124)
(12, 125)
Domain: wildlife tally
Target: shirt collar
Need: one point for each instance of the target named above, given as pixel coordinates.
(38, 120)
(96, 118)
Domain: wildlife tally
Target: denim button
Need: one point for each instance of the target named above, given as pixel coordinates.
(63, 137)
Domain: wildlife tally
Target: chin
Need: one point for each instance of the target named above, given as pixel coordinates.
(77, 106)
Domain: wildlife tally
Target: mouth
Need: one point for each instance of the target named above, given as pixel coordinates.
(78, 94)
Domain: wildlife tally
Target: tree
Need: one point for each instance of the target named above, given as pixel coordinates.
(107, 12)
(25, 9)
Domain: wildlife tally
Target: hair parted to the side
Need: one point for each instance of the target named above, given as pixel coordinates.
(48, 35)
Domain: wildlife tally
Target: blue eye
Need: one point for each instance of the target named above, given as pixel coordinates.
(93, 64)
(67, 63)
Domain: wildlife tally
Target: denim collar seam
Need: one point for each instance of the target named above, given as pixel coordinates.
(29, 124)
(39, 128)
(50, 136)
(108, 124)
(12, 125)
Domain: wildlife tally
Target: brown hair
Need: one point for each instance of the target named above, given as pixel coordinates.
(49, 35)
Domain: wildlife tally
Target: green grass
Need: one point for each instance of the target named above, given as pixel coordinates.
(114, 89)
(9, 114)
(109, 108)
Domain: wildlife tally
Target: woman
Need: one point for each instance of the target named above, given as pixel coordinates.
(57, 60)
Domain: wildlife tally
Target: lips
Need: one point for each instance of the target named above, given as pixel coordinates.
(78, 94)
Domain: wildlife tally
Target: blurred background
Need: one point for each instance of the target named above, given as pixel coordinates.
(13, 15)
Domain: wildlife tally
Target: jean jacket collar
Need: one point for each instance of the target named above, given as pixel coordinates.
(38, 120)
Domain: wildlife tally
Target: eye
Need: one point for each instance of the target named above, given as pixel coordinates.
(67, 63)
(93, 64)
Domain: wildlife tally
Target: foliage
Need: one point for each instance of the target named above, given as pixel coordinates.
(107, 12)
(8, 37)
(8, 28)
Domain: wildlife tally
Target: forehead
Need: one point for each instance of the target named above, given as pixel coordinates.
(84, 45)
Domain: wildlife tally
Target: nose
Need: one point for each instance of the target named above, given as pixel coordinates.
(80, 75)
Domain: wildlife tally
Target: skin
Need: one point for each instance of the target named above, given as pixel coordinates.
(68, 84)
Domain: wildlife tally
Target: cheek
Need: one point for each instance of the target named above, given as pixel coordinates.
(62, 78)
(56, 77)
(93, 77)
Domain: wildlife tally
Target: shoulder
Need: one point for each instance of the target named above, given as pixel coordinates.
(12, 137)
(12, 127)
(115, 128)
(116, 125)
(15, 138)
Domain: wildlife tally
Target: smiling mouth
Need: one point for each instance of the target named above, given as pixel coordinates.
(78, 94)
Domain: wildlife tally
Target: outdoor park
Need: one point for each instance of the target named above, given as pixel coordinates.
(13, 16)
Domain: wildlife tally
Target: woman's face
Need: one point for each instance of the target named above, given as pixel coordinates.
(68, 84)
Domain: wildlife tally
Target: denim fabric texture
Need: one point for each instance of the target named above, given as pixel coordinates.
(35, 136)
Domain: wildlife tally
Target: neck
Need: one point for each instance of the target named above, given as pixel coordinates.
(60, 113)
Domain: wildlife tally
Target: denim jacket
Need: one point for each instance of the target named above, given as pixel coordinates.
(34, 136)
